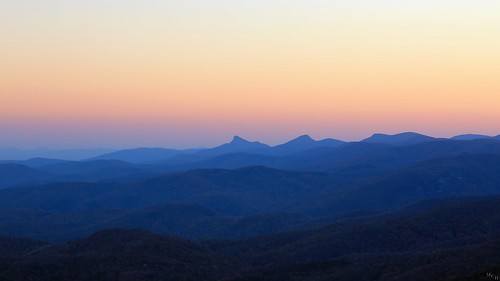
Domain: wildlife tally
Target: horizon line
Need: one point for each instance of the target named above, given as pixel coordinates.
(111, 149)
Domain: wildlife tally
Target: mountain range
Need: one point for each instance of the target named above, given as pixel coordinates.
(240, 145)
(237, 145)
(401, 207)
(349, 161)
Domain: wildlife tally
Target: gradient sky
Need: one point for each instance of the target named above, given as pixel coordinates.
(184, 73)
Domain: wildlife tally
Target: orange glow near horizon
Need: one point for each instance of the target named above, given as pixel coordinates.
(192, 73)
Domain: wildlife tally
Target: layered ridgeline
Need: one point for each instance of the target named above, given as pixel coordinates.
(146, 155)
(406, 206)
(373, 156)
(211, 203)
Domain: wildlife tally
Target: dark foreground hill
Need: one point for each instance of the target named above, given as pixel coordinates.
(10, 246)
(473, 261)
(442, 243)
(117, 255)
(472, 221)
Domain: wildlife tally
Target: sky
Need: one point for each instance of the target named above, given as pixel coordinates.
(193, 73)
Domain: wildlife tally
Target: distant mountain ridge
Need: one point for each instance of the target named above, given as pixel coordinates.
(34, 162)
(407, 138)
(148, 155)
(297, 145)
(64, 154)
(237, 144)
(349, 161)
(466, 137)
(304, 142)
(143, 154)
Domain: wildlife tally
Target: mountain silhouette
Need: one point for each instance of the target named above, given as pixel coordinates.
(143, 154)
(64, 154)
(237, 144)
(407, 138)
(34, 162)
(304, 142)
(470, 137)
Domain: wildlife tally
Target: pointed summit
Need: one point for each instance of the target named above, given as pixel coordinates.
(238, 139)
(302, 139)
(238, 145)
